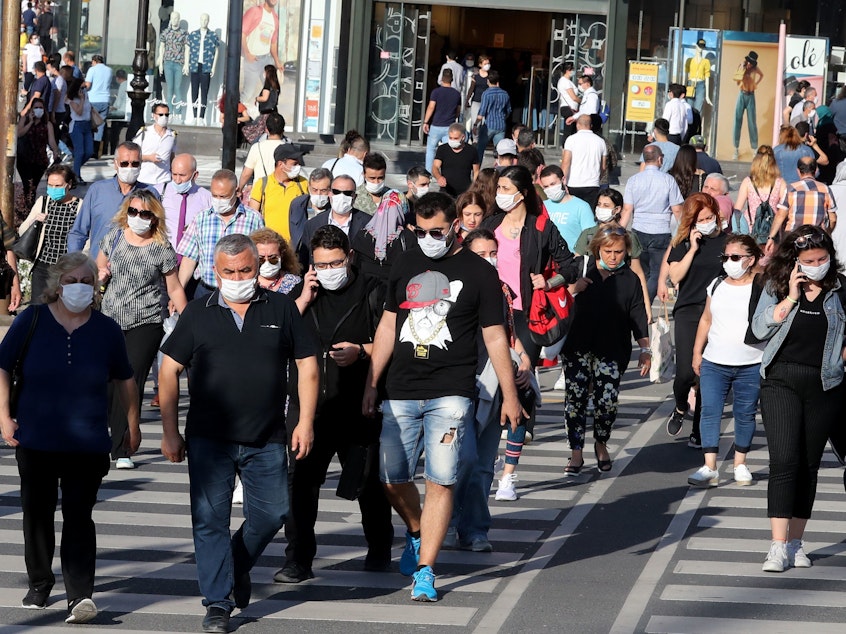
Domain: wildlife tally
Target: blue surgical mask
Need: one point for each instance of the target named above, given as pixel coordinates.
(609, 268)
(56, 193)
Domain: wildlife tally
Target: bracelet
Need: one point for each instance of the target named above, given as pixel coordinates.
(646, 351)
(789, 298)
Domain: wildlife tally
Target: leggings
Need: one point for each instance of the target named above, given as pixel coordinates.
(200, 80)
(798, 416)
(686, 323)
(582, 369)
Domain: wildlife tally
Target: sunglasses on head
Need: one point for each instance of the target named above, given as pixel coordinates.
(129, 163)
(613, 231)
(734, 257)
(343, 192)
(437, 234)
(809, 241)
(145, 214)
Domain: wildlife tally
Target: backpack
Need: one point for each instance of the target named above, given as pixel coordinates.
(551, 311)
(764, 217)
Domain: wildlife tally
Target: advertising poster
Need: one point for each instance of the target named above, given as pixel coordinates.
(642, 92)
(314, 70)
(696, 66)
(805, 59)
(747, 81)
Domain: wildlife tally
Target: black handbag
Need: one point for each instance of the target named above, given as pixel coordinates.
(17, 372)
(26, 247)
(357, 466)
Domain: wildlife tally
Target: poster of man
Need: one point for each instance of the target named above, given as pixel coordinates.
(747, 94)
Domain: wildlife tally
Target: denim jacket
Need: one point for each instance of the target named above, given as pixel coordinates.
(766, 328)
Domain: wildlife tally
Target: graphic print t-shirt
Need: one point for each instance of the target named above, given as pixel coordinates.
(440, 305)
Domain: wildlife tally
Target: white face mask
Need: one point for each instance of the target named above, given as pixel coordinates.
(374, 188)
(422, 191)
(554, 192)
(486, 67)
(603, 214)
(507, 202)
(735, 270)
(38, 112)
(812, 114)
(435, 249)
(238, 291)
(162, 120)
(183, 188)
(77, 297)
(455, 143)
(342, 204)
(129, 175)
(35, 40)
(333, 279)
(319, 201)
(222, 205)
(293, 172)
(706, 228)
(491, 260)
(816, 273)
(138, 225)
(269, 271)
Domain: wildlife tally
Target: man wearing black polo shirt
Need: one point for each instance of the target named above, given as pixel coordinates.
(238, 341)
(456, 163)
(439, 295)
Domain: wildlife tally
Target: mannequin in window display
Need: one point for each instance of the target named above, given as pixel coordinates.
(152, 73)
(698, 71)
(201, 51)
(259, 47)
(170, 60)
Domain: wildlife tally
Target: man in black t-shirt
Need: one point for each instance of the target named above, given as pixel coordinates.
(439, 296)
(238, 341)
(456, 163)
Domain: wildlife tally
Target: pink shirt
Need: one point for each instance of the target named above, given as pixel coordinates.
(508, 264)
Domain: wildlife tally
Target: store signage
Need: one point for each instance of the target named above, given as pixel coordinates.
(642, 92)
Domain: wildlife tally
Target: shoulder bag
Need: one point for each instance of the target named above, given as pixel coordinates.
(17, 372)
(551, 311)
(26, 247)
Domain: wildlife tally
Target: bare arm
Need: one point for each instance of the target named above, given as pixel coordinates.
(128, 392)
(176, 291)
(302, 437)
(173, 444)
(246, 177)
(701, 336)
(626, 215)
(679, 270)
(430, 110)
(566, 162)
(186, 270)
(637, 269)
(8, 424)
(383, 349)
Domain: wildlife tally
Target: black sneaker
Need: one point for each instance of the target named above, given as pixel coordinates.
(293, 573)
(36, 599)
(216, 620)
(674, 422)
(694, 442)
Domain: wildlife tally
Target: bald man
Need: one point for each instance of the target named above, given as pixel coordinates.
(182, 198)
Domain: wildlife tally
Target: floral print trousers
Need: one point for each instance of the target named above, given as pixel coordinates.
(588, 375)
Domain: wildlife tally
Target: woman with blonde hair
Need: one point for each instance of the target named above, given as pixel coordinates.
(279, 268)
(135, 257)
(763, 183)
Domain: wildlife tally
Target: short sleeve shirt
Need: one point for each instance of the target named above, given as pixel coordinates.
(100, 76)
(440, 305)
(457, 167)
(704, 268)
(277, 202)
(446, 101)
(174, 45)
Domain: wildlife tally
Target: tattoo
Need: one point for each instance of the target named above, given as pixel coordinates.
(782, 313)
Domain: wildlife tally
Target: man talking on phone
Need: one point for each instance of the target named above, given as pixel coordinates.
(342, 308)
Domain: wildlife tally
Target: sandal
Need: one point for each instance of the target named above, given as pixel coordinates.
(573, 470)
(602, 465)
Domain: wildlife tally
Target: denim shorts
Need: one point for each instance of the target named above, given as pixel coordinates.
(436, 425)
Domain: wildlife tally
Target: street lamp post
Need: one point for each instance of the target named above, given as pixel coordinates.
(138, 95)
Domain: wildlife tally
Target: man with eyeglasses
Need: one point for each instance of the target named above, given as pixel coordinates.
(440, 298)
(227, 216)
(104, 198)
(339, 212)
(157, 144)
(341, 303)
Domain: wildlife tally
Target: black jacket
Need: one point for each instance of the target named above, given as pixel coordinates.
(358, 220)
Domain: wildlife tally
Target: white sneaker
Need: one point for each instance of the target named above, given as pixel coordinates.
(82, 611)
(505, 491)
(561, 383)
(238, 493)
(796, 554)
(124, 463)
(777, 560)
(504, 434)
(704, 477)
(742, 475)
(528, 439)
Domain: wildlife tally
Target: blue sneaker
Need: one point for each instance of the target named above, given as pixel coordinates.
(423, 587)
(410, 556)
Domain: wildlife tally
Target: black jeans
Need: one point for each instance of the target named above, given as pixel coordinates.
(142, 343)
(31, 175)
(38, 282)
(798, 416)
(79, 475)
(200, 80)
(686, 322)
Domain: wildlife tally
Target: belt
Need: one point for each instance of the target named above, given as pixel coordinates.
(748, 92)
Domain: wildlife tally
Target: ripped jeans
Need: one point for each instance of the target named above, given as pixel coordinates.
(410, 426)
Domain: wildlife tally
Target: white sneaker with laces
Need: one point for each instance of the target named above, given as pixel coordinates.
(124, 463)
(796, 554)
(777, 560)
(742, 475)
(238, 493)
(505, 491)
(704, 477)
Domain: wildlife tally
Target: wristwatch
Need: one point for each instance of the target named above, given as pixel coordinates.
(362, 353)
(646, 351)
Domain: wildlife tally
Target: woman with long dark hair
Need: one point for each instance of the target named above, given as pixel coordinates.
(80, 128)
(267, 102)
(801, 317)
(471, 211)
(686, 172)
(35, 135)
(485, 184)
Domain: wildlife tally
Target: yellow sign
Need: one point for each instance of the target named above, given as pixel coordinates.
(642, 92)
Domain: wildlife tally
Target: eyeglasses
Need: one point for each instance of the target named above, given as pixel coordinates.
(145, 214)
(273, 259)
(343, 192)
(128, 163)
(334, 264)
(437, 234)
(734, 257)
(809, 241)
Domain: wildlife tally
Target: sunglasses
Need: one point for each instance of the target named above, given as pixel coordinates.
(145, 214)
(809, 241)
(613, 231)
(273, 259)
(343, 192)
(437, 234)
(734, 257)
(129, 163)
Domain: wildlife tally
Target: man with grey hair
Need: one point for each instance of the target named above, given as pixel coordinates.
(718, 186)
(236, 420)
(226, 216)
(308, 206)
(456, 164)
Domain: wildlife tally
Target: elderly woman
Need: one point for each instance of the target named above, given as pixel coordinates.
(67, 354)
(135, 255)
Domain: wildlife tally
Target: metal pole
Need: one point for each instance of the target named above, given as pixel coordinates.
(9, 106)
(138, 95)
(231, 84)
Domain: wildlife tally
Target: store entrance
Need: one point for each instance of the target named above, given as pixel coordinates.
(528, 48)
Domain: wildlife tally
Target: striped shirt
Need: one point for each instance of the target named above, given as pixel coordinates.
(495, 108)
(207, 228)
(133, 296)
(807, 202)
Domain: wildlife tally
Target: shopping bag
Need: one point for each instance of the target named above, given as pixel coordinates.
(663, 351)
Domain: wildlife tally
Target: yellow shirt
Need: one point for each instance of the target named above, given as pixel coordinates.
(277, 202)
(698, 71)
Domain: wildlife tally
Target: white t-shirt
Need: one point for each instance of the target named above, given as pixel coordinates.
(258, 41)
(260, 158)
(347, 165)
(587, 149)
(32, 52)
(564, 98)
(729, 322)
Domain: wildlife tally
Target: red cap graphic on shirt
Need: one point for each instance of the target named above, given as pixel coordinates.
(426, 289)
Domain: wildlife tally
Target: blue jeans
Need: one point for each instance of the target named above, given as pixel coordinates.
(103, 109)
(173, 81)
(486, 135)
(437, 133)
(212, 466)
(654, 247)
(698, 99)
(436, 424)
(746, 101)
(714, 383)
(83, 145)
